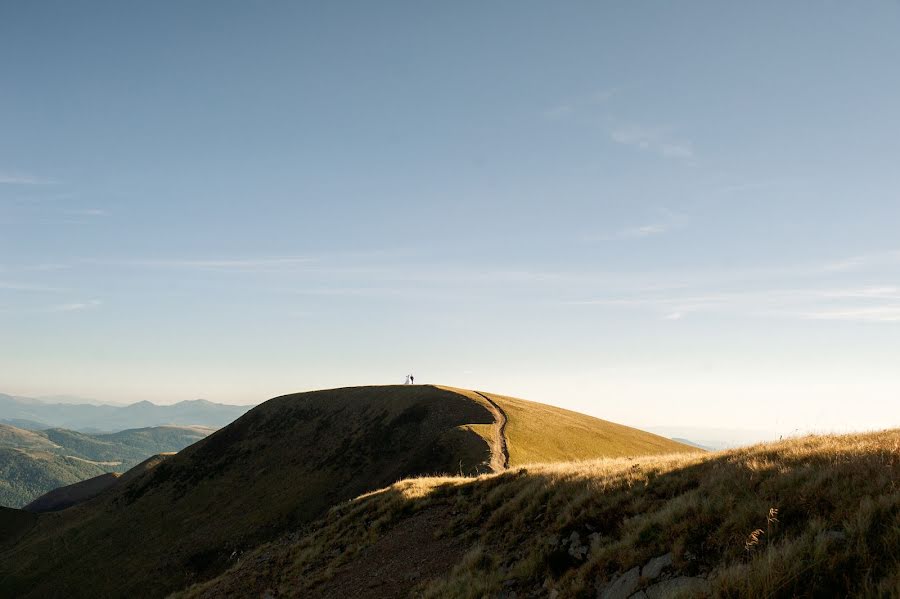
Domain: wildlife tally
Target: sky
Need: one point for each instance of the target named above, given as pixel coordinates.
(661, 214)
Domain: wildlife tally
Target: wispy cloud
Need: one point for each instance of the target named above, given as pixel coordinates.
(217, 264)
(670, 221)
(887, 313)
(658, 140)
(572, 106)
(75, 306)
(9, 178)
(863, 261)
(14, 286)
(862, 304)
(638, 232)
(87, 212)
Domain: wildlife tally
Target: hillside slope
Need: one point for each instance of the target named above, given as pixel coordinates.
(35, 462)
(69, 495)
(538, 432)
(26, 475)
(62, 497)
(808, 517)
(275, 469)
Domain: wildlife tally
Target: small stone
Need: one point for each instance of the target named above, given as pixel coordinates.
(687, 586)
(656, 565)
(623, 586)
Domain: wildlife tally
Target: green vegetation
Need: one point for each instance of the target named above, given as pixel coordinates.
(26, 475)
(35, 462)
(808, 517)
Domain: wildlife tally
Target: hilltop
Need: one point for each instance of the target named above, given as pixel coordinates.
(276, 470)
(808, 517)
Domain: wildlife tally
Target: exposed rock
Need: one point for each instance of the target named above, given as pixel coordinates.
(683, 586)
(623, 586)
(576, 548)
(656, 565)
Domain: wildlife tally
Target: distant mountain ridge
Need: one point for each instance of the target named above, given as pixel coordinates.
(36, 414)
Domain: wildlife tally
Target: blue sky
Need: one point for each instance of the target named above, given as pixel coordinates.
(656, 213)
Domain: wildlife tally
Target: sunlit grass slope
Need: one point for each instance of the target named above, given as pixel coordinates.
(541, 433)
(808, 517)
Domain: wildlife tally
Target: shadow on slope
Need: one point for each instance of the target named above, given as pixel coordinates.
(576, 530)
(276, 468)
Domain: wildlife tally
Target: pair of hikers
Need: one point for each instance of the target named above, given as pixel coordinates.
(410, 380)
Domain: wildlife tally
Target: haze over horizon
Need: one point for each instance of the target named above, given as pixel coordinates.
(672, 215)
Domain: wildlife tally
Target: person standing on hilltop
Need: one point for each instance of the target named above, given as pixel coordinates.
(412, 380)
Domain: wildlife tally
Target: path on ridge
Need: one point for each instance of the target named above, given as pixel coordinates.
(503, 462)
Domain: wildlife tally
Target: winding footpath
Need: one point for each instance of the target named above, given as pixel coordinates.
(500, 457)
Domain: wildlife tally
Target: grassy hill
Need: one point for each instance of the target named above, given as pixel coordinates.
(26, 475)
(69, 495)
(808, 517)
(35, 462)
(540, 433)
(273, 471)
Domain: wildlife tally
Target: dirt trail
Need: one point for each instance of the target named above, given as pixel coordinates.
(500, 456)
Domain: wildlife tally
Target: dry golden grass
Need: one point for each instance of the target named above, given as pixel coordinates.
(537, 432)
(808, 517)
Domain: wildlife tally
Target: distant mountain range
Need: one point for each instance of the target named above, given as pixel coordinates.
(35, 414)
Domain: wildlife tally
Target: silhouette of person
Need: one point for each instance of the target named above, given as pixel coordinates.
(412, 380)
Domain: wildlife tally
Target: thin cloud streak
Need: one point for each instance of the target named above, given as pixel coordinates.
(14, 286)
(88, 212)
(571, 107)
(239, 264)
(652, 139)
(888, 313)
(8, 178)
(810, 304)
(76, 306)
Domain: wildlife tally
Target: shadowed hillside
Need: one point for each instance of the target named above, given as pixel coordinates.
(275, 469)
(69, 495)
(809, 517)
